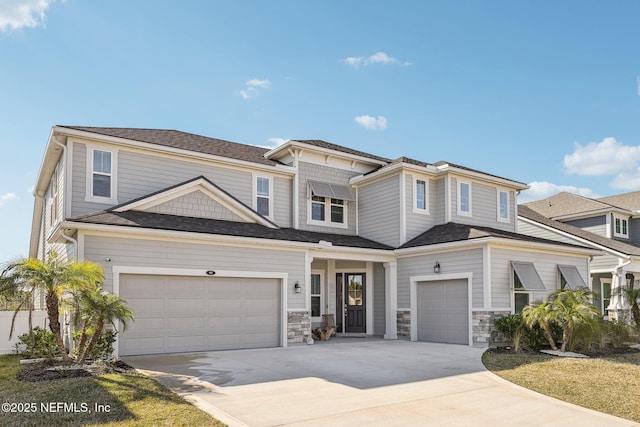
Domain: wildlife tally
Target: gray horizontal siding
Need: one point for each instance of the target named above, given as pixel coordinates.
(545, 264)
(464, 261)
(484, 206)
(379, 315)
(418, 223)
(634, 231)
(167, 254)
(543, 233)
(140, 174)
(313, 172)
(596, 225)
(379, 211)
(604, 262)
(438, 209)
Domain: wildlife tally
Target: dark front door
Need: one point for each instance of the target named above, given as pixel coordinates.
(354, 303)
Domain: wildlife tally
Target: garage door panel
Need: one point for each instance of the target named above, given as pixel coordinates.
(178, 314)
(443, 311)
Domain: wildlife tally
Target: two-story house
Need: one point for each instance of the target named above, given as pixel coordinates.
(610, 224)
(220, 245)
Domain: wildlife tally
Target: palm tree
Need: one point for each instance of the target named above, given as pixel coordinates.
(633, 294)
(100, 308)
(53, 277)
(571, 308)
(540, 313)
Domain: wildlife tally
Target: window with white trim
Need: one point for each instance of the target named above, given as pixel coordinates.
(263, 196)
(464, 198)
(328, 204)
(101, 175)
(605, 295)
(421, 196)
(525, 280)
(316, 296)
(503, 206)
(620, 226)
(521, 296)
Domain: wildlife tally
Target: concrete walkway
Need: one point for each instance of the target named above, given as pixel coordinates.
(355, 381)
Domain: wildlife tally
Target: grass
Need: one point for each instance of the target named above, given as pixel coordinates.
(608, 384)
(132, 400)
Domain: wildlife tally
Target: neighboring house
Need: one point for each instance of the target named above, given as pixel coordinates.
(219, 245)
(609, 224)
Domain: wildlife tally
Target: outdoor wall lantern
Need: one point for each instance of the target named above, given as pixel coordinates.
(297, 287)
(436, 268)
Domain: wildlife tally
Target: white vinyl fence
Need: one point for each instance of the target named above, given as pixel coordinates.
(39, 318)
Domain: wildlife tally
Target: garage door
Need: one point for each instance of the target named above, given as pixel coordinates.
(177, 314)
(443, 311)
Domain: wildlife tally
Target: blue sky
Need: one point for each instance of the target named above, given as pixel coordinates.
(545, 92)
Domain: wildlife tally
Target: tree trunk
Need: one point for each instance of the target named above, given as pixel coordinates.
(566, 332)
(83, 341)
(53, 312)
(549, 337)
(635, 311)
(94, 339)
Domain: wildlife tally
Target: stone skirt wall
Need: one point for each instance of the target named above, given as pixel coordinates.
(299, 327)
(484, 330)
(403, 321)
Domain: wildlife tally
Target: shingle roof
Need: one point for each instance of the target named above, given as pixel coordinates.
(628, 201)
(149, 220)
(564, 203)
(625, 248)
(336, 147)
(186, 141)
(455, 232)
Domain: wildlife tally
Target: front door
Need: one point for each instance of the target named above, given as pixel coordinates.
(355, 319)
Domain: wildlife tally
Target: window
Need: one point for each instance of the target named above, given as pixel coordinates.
(503, 206)
(101, 175)
(317, 208)
(520, 295)
(421, 204)
(525, 280)
(316, 295)
(263, 196)
(570, 277)
(605, 295)
(620, 227)
(464, 198)
(328, 204)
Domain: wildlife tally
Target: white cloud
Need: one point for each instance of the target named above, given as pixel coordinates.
(376, 58)
(607, 157)
(15, 14)
(7, 197)
(253, 86)
(542, 189)
(373, 123)
(274, 142)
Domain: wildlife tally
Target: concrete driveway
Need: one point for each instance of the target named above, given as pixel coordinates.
(356, 381)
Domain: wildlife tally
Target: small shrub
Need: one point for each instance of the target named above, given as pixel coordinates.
(617, 334)
(521, 336)
(42, 344)
(104, 347)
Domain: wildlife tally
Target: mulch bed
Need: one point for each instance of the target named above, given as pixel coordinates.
(51, 370)
(607, 351)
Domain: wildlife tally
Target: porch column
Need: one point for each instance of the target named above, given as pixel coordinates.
(391, 299)
(619, 308)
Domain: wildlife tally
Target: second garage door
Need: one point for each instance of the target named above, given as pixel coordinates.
(443, 311)
(179, 314)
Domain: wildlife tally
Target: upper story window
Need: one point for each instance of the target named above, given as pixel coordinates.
(421, 196)
(263, 192)
(328, 204)
(464, 198)
(503, 206)
(101, 179)
(620, 226)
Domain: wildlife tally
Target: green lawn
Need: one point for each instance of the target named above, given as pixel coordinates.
(126, 400)
(609, 384)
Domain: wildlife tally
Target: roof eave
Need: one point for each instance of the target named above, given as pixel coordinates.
(292, 143)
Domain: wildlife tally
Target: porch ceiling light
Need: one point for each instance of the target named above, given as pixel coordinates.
(436, 268)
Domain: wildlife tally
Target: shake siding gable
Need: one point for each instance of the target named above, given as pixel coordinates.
(170, 254)
(379, 211)
(464, 261)
(196, 204)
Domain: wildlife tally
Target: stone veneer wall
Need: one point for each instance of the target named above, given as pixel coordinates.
(298, 326)
(484, 330)
(403, 320)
